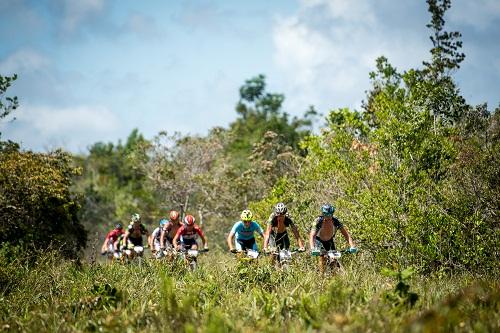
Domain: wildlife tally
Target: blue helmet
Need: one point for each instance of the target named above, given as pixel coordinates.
(327, 209)
(118, 226)
(163, 222)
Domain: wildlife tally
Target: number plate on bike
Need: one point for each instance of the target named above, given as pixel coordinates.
(334, 254)
(252, 254)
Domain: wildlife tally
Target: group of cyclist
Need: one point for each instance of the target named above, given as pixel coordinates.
(175, 233)
(171, 233)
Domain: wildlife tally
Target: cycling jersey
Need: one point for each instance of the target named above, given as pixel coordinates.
(113, 235)
(326, 232)
(245, 233)
(135, 234)
(155, 236)
(279, 230)
(275, 222)
(189, 234)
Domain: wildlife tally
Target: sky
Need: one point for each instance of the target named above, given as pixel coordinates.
(93, 70)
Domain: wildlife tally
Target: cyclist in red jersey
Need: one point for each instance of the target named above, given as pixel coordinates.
(188, 234)
(111, 237)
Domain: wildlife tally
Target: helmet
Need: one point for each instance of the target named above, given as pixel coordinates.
(189, 220)
(246, 215)
(280, 208)
(135, 218)
(327, 209)
(174, 215)
(163, 222)
(118, 226)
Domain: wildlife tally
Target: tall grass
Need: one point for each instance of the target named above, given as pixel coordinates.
(225, 295)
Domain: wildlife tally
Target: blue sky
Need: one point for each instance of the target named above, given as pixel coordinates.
(92, 70)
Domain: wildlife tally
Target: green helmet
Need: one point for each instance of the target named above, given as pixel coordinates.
(135, 218)
(246, 215)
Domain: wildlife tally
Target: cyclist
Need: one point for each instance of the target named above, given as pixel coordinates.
(154, 240)
(324, 230)
(109, 243)
(134, 233)
(170, 229)
(244, 231)
(187, 235)
(277, 225)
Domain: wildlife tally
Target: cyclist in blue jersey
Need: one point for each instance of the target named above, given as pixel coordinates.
(244, 231)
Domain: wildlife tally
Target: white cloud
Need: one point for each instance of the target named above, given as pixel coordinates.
(480, 14)
(73, 128)
(326, 50)
(24, 61)
(80, 119)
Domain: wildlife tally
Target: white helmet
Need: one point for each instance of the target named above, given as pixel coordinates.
(280, 208)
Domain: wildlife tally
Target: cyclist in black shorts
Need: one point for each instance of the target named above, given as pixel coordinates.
(277, 226)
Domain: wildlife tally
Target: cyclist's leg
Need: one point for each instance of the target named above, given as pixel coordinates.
(254, 245)
(239, 245)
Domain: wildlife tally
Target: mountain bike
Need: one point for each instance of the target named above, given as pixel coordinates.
(282, 258)
(133, 253)
(246, 255)
(190, 257)
(329, 261)
(112, 254)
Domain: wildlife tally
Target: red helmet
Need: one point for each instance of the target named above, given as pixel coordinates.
(189, 220)
(174, 215)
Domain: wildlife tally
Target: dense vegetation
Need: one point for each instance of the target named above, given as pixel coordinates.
(414, 175)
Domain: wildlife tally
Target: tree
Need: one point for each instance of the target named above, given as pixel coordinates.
(261, 112)
(114, 185)
(11, 103)
(415, 176)
(7, 105)
(37, 208)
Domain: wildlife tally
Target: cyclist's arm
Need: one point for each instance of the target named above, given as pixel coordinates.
(203, 238)
(347, 236)
(150, 241)
(176, 237)
(105, 245)
(266, 235)
(295, 231)
(230, 240)
(125, 238)
(163, 238)
(312, 235)
(260, 231)
(116, 244)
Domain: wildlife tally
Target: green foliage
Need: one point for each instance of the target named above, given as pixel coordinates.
(10, 103)
(260, 112)
(103, 296)
(37, 208)
(113, 185)
(445, 53)
(415, 174)
(401, 296)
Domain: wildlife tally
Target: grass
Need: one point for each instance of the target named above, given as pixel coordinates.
(225, 295)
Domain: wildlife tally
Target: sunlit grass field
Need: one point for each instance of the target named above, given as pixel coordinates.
(228, 295)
